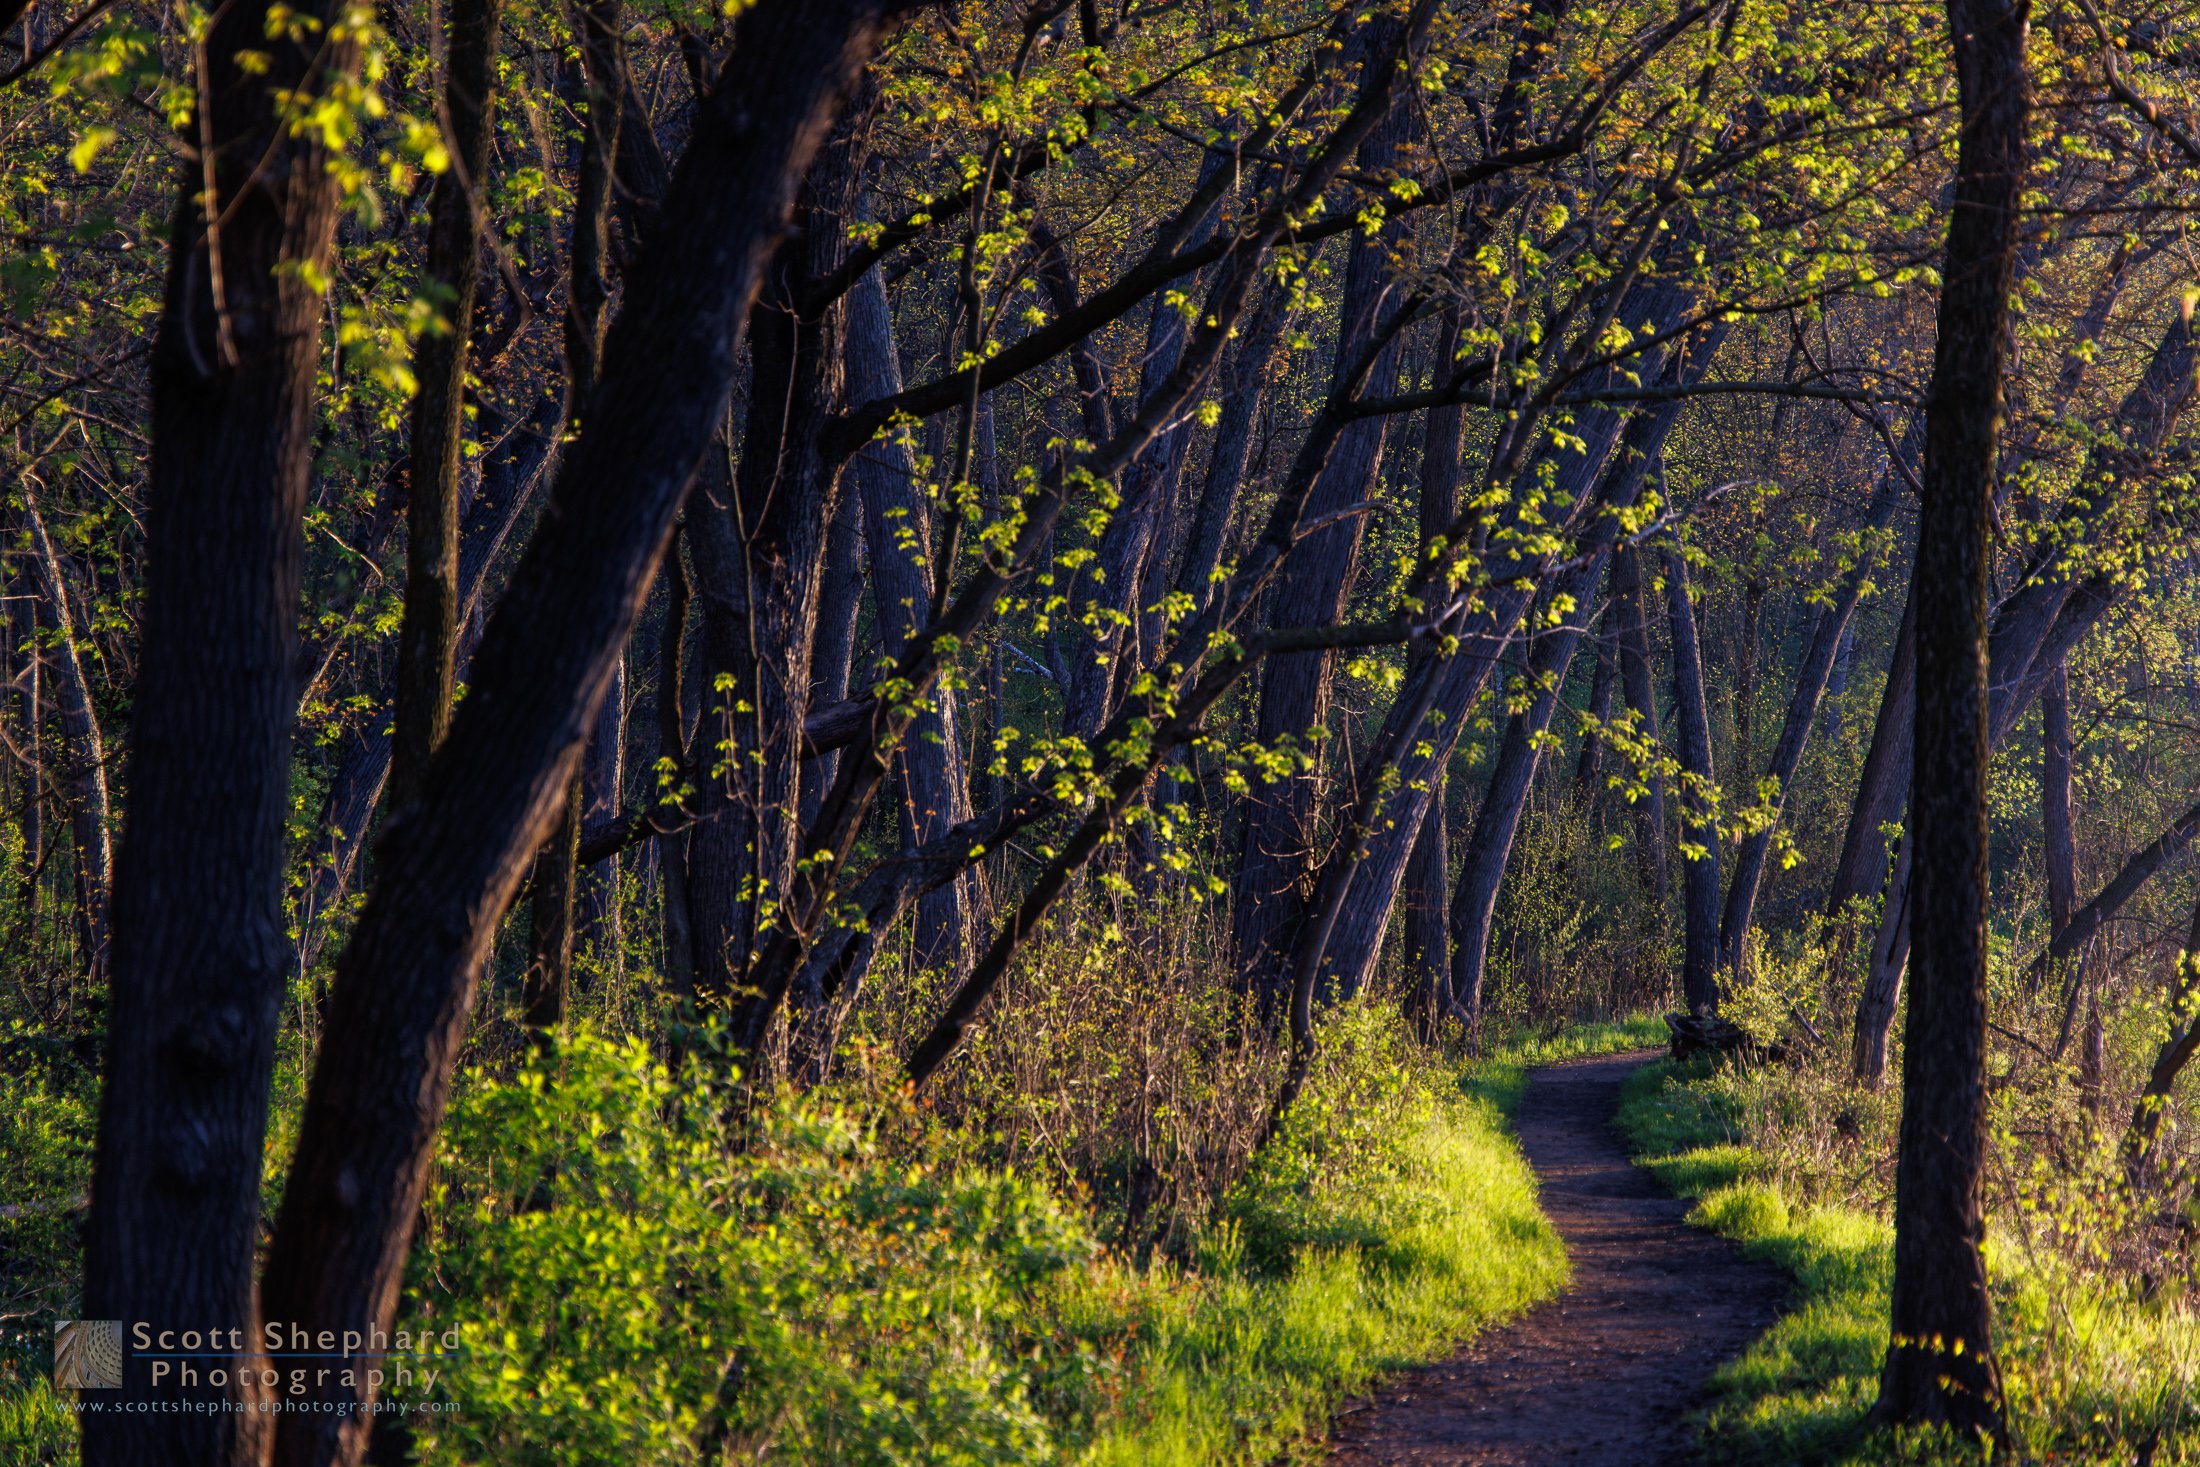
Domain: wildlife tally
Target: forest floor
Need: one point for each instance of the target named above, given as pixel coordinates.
(1614, 1369)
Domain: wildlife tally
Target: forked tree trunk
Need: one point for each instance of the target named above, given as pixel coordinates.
(1940, 1365)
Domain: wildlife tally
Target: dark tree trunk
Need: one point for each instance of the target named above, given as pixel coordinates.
(598, 929)
(673, 750)
(1111, 604)
(447, 873)
(1885, 781)
(427, 639)
(1639, 682)
(2061, 845)
(2085, 923)
(832, 662)
(556, 883)
(1245, 386)
(932, 785)
(1589, 767)
(198, 948)
(1882, 992)
(1428, 913)
(759, 556)
(2177, 1050)
(27, 677)
(1812, 680)
(1940, 1366)
(1279, 833)
(1699, 817)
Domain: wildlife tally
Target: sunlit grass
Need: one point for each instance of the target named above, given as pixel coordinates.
(2094, 1375)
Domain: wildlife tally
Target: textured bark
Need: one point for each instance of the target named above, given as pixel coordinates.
(932, 783)
(198, 946)
(1813, 679)
(832, 660)
(1940, 1365)
(26, 668)
(1058, 277)
(448, 869)
(1428, 916)
(427, 639)
(1699, 818)
(1280, 836)
(1882, 992)
(87, 752)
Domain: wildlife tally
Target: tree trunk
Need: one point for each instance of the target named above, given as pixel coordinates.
(446, 875)
(759, 557)
(1589, 766)
(2061, 847)
(1245, 386)
(87, 772)
(934, 791)
(1882, 992)
(1279, 838)
(832, 663)
(1885, 781)
(673, 751)
(1812, 678)
(427, 639)
(598, 929)
(1699, 816)
(198, 946)
(1940, 1367)
(1635, 664)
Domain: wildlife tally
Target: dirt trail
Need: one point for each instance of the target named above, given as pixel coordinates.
(1609, 1371)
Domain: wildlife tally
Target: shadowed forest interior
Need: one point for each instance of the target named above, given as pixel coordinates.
(882, 732)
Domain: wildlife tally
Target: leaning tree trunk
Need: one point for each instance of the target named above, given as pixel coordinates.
(446, 875)
(1940, 1365)
(199, 952)
(1699, 815)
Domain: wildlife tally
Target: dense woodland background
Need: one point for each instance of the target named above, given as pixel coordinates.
(1065, 598)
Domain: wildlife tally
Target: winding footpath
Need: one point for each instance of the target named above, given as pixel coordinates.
(1613, 1369)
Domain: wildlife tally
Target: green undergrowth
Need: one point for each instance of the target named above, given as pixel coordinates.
(848, 1284)
(2093, 1374)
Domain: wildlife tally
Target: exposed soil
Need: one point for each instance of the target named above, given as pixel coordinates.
(1610, 1371)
